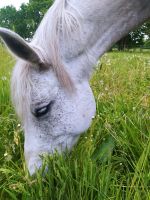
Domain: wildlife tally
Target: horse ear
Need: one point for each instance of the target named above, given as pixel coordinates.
(18, 46)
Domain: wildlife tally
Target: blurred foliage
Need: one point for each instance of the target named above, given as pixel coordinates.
(25, 20)
(137, 38)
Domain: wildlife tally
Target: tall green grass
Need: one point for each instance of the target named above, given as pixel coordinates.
(6, 63)
(110, 161)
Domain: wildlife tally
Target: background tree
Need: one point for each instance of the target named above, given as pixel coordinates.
(8, 17)
(135, 38)
(25, 20)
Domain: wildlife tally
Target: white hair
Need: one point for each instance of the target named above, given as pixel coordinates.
(21, 88)
(46, 42)
(58, 22)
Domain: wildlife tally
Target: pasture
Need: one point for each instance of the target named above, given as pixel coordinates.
(110, 161)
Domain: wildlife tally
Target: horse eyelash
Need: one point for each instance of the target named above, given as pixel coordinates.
(45, 109)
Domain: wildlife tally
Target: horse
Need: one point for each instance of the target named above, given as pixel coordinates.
(50, 82)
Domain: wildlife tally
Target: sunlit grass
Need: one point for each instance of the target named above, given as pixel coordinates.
(111, 160)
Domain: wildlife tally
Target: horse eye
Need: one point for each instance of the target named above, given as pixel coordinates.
(39, 112)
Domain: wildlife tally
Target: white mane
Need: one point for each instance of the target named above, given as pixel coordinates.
(21, 88)
(58, 23)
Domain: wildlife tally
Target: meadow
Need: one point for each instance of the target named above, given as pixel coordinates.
(111, 161)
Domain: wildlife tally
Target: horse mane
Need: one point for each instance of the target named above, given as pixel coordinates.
(21, 88)
(58, 24)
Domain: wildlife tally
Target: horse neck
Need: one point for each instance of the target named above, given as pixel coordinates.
(102, 24)
(107, 21)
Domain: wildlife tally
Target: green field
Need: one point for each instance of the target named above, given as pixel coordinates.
(112, 159)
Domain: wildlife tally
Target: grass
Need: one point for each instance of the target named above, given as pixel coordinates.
(110, 161)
